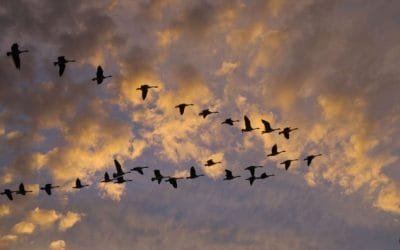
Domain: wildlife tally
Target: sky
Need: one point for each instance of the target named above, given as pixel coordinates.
(329, 68)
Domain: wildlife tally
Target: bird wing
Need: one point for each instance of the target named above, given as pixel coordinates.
(106, 177)
(173, 182)
(267, 125)
(61, 68)
(118, 167)
(21, 188)
(286, 134)
(144, 93)
(274, 149)
(47, 189)
(99, 72)
(228, 173)
(287, 165)
(251, 169)
(78, 183)
(9, 196)
(181, 109)
(192, 172)
(247, 122)
(157, 173)
(17, 61)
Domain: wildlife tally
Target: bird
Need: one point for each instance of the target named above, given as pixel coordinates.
(252, 169)
(173, 181)
(251, 179)
(182, 107)
(247, 124)
(61, 61)
(48, 187)
(15, 55)
(8, 192)
(229, 121)
(211, 162)
(286, 132)
(158, 176)
(145, 88)
(139, 169)
(207, 112)
(287, 163)
(99, 75)
(229, 176)
(106, 178)
(118, 167)
(120, 180)
(21, 190)
(274, 151)
(267, 127)
(78, 184)
(310, 158)
(193, 174)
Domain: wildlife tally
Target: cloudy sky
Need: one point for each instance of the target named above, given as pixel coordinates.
(329, 68)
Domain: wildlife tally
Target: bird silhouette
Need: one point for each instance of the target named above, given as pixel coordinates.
(310, 158)
(204, 113)
(252, 169)
(139, 169)
(251, 179)
(120, 180)
(61, 61)
(106, 178)
(21, 190)
(286, 132)
(267, 127)
(247, 125)
(193, 174)
(158, 176)
(8, 193)
(118, 167)
(229, 121)
(78, 184)
(15, 54)
(48, 187)
(211, 162)
(287, 163)
(182, 107)
(145, 88)
(229, 176)
(274, 151)
(173, 181)
(99, 75)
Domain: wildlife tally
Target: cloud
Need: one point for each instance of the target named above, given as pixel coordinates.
(5, 210)
(68, 221)
(24, 228)
(57, 245)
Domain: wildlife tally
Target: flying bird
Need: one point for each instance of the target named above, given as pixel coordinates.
(211, 162)
(310, 158)
(173, 181)
(118, 167)
(61, 61)
(120, 180)
(252, 169)
(193, 174)
(15, 54)
(99, 75)
(247, 124)
(229, 121)
(287, 163)
(262, 176)
(145, 88)
(106, 178)
(274, 151)
(158, 176)
(48, 187)
(8, 193)
(182, 107)
(204, 113)
(286, 132)
(78, 184)
(229, 176)
(267, 127)
(21, 190)
(139, 169)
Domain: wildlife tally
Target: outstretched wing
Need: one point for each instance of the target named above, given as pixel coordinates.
(251, 169)
(9, 196)
(17, 61)
(118, 167)
(181, 109)
(267, 125)
(144, 93)
(61, 68)
(78, 183)
(274, 149)
(286, 134)
(228, 173)
(247, 122)
(192, 172)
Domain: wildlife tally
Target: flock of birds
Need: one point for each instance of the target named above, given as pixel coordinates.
(118, 176)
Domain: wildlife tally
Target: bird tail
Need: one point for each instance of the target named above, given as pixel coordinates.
(9, 53)
(153, 179)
